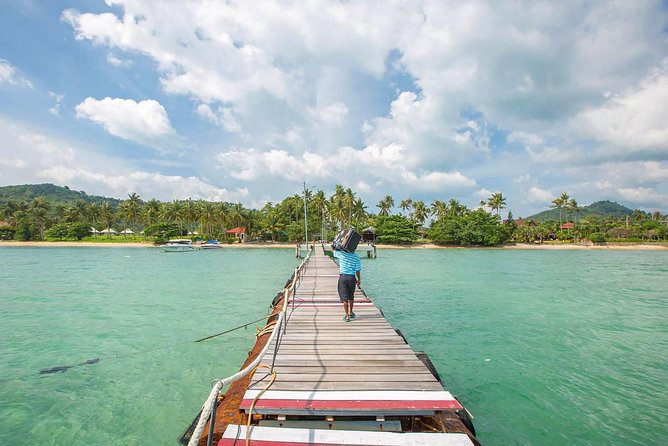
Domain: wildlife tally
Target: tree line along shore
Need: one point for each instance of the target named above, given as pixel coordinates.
(402, 222)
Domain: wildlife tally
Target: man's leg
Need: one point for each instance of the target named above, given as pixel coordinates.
(351, 298)
(341, 288)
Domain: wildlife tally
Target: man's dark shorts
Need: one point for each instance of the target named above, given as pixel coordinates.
(346, 287)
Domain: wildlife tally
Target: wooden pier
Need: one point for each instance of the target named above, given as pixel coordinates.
(328, 381)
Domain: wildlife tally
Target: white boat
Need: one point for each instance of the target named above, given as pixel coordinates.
(178, 245)
(211, 244)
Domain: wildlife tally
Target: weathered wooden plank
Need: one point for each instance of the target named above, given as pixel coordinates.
(412, 362)
(353, 345)
(336, 377)
(352, 336)
(355, 369)
(287, 348)
(351, 327)
(352, 385)
(281, 436)
(360, 343)
(347, 358)
(338, 351)
(341, 330)
(366, 322)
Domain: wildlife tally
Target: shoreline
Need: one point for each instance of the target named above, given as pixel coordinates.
(519, 246)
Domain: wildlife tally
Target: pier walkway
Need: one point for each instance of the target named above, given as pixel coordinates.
(337, 382)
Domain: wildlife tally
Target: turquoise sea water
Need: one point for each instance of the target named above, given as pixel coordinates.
(543, 347)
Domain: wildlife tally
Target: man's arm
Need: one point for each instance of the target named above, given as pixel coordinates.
(359, 278)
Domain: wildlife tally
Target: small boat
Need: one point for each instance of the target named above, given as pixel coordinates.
(211, 244)
(178, 245)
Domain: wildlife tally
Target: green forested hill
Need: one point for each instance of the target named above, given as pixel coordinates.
(55, 194)
(600, 208)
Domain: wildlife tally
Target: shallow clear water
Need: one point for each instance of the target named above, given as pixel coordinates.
(543, 347)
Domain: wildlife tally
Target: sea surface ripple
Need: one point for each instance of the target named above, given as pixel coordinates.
(543, 347)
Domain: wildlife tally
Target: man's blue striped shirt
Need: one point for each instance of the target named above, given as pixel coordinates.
(349, 263)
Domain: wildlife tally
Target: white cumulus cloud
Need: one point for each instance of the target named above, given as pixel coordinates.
(12, 76)
(384, 164)
(333, 113)
(633, 120)
(537, 195)
(145, 122)
(223, 117)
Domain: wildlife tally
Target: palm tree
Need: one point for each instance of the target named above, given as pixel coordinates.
(272, 221)
(124, 212)
(359, 212)
(151, 211)
(573, 207)
(559, 203)
(60, 212)
(420, 211)
(12, 211)
(349, 202)
(406, 204)
(455, 208)
(337, 212)
(132, 209)
(222, 211)
(78, 212)
(94, 213)
(237, 214)
(172, 213)
(106, 215)
(206, 214)
(638, 216)
(38, 209)
(385, 205)
(320, 205)
(190, 214)
(497, 201)
(439, 209)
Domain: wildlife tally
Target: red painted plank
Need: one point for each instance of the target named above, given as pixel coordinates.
(371, 405)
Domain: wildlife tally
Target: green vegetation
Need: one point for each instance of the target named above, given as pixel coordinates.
(470, 228)
(395, 229)
(54, 194)
(600, 209)
(55, 217)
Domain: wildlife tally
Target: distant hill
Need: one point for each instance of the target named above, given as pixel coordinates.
(600, 208)
(55, 194)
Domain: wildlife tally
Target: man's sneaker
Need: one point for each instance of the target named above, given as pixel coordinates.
(352, 315)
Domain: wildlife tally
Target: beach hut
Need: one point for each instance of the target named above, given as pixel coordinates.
(108, 231)
(93, 231)
(239, 233)
(369, 235)
(127, 231)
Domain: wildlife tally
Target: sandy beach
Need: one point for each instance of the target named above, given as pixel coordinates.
(43, 244)
(527, 246)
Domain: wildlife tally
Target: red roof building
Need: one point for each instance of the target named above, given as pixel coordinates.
(568, 225)
(239, 233)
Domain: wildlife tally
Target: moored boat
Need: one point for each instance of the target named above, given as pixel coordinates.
(212, 244)
(178, 245)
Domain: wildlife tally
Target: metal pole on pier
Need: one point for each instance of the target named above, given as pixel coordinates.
(305, 219)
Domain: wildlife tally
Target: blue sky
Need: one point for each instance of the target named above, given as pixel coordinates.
(422, 99)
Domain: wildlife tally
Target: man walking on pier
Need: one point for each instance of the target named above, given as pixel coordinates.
(350, 268)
